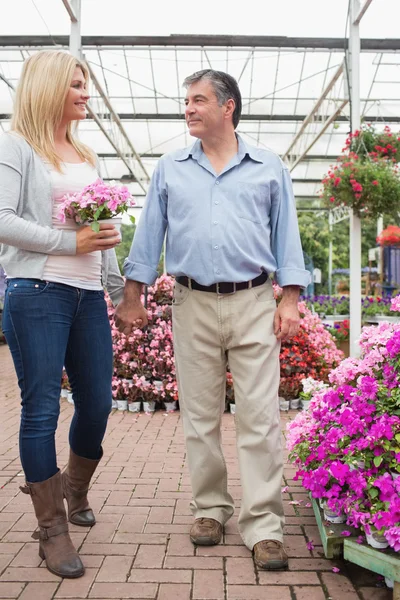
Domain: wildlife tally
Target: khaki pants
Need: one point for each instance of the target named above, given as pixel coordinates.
(209, 331)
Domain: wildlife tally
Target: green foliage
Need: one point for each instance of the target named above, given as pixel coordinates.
(122, 250)
(314, 232)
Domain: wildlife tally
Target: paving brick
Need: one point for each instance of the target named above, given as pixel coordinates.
(77, 588)
(307, 592)
(287, 578)
(195, 562)
(123, 590)
(150, 557)
(161, 514)
(172, 591)
(256, 592)
(339, 586)
(180, 545)
(240, 571)
(11, 589)
(208, 585)
(160, 576)
(115, 568)
(39, 591)
(28, 574)
(109, 549)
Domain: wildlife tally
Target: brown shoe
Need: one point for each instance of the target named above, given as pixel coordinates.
(206, 532)
(270, 555)
(75, 480)
(55, 545)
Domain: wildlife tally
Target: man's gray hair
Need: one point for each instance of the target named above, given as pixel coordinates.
(225, 88)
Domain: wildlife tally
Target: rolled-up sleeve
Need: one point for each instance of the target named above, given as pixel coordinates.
(141, 264)
(285, 236)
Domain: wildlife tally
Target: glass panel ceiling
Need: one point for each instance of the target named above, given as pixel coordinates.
(280, 86)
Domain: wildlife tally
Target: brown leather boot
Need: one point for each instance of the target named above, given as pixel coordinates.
(206, 532)
(55, 545)
(270, 555)
(76, 479)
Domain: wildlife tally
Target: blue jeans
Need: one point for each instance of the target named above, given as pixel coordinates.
(49, 325)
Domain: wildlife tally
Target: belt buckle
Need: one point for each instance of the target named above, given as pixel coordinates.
(226, 293)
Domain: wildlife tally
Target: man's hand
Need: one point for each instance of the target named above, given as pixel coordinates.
(130, 312)
(287, 317)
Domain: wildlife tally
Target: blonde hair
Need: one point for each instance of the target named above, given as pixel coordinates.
(39, 103)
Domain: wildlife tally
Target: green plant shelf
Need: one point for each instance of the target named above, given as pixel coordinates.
(331, 533)
(384, 562)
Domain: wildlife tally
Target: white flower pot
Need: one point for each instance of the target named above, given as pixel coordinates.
(170, 406)
(294, 403)
(149, 407)
(134, 407)
(114, 404)
(116, 221)
(377, 540)
(232, 409)
(158, 384)
(389, 582)
(64, 394)
(322, 503)
(70, 398)
(305, 404)
(122, 404)
(284, 405)
(334, 517)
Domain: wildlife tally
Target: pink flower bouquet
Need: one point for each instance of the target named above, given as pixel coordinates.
(96, 202)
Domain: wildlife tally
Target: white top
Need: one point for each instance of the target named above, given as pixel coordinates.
(78, 270)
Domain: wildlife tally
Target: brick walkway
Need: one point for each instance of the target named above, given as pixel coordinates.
(139, 547)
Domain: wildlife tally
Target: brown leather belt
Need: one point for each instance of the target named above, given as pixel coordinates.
(222, 287)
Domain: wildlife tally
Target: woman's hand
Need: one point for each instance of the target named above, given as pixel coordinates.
(88, 240)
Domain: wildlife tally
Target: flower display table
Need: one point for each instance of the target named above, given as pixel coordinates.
(330, 533)
(384, 562)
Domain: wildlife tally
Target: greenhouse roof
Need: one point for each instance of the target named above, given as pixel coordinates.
(140, 69)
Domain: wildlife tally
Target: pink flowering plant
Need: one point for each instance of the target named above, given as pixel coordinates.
(96, 202)
(347, 446)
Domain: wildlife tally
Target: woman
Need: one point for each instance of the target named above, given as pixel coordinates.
(54, 311)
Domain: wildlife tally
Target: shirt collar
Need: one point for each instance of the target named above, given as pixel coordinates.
(195, 151)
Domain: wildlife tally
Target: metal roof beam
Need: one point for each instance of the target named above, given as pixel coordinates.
(70, 11)
(234, 41)
(117, 135)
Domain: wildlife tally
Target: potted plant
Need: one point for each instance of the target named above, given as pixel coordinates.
(230, 393)
(65, 385)
(340, 332)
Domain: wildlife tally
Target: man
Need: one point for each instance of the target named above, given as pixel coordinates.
(230, 218)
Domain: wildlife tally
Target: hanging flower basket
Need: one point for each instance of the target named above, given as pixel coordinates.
(366, 177)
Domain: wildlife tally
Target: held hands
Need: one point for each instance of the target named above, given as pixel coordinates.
(129, 316)
(287, 317)
(130, 312)
(88, 240)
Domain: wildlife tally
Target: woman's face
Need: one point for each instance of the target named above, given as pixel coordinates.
(77, 97)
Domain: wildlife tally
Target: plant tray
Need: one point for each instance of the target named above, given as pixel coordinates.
(331, 533)
(384, 562)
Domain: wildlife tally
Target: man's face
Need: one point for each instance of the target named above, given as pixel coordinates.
(203, 114)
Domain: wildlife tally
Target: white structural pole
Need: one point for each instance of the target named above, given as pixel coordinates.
(75, 40)
(355, 222)
(330, 258)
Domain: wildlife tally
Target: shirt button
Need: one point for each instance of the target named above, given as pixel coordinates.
(218, 271)
(216, 202)
(215, 222)
(217, 183)
(216, 247)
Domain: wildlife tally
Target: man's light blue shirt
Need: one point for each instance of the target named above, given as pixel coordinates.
(230, 226)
